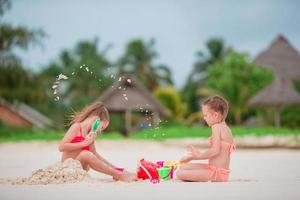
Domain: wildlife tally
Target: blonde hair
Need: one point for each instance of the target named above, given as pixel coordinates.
(95, 109)
(218, 104)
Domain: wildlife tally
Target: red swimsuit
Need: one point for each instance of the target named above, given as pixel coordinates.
(80, 139)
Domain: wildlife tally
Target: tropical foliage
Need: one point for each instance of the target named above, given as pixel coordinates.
(138, 60)
(237, 79)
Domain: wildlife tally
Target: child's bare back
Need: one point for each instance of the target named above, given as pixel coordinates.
(226, 146)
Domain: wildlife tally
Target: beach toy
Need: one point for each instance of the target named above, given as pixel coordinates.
(161, 170)
(165, 173)
(160, 163)
(171, 163)
(175, 164)
(96, 124)
(119, 169)
(148, 170)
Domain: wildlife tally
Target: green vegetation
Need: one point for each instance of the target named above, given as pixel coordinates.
(218, 69)
(237, 79)
(170, 98)
(18, 135)
(138, 59)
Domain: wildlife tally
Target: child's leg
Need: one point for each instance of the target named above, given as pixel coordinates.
(202, 175)
(87, 158)
(193, 166)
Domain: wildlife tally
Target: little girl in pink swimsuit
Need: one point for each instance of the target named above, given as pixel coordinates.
(221, 145)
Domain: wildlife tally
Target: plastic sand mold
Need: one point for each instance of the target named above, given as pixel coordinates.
(165, 173)
(96, 124)
(160, 163)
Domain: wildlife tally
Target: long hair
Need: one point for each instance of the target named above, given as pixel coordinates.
(95, 109)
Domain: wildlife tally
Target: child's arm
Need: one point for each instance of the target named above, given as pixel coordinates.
(66, 145)
(195, 154)
(93, 150)
(215, 148)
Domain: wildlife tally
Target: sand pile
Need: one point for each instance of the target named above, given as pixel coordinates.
(70, 171)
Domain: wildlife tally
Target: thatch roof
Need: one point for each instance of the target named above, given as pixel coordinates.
(28, 113)
(282, 58)
(280, 92)
(128, 94)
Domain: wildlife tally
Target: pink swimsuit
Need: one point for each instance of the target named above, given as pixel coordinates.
(218, 173)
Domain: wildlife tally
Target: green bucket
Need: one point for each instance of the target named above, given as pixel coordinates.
(164, 173)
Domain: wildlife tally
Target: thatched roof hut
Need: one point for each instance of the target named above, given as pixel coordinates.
(128, 95)
(278, 94)
(284, 61)
(282, 58)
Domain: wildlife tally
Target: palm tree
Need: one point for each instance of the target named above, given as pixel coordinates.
(216, 52)
(17, 83)
(85, 65)
(163, 75)
(138, 59)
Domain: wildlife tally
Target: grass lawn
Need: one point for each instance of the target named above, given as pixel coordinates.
(18, 134)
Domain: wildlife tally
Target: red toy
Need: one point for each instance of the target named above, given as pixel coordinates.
(119, 169)
(148, 170)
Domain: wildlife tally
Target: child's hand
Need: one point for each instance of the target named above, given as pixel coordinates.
(98, 130)
(93, 136)
(89, 139)
(194, 152)
(186, 159)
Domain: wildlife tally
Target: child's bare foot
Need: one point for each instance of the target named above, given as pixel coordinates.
(127, 177)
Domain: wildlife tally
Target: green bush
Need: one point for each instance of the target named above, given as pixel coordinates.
(290, 117)
(170, 98)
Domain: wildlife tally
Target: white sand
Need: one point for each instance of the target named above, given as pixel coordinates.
(256, 174)
(69, 171)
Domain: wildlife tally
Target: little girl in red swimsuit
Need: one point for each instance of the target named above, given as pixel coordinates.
(78, 142)
(221, 145)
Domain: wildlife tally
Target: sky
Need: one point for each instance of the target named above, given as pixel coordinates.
(179, 27)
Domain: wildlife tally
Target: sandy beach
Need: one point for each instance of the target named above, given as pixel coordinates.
(256, 174)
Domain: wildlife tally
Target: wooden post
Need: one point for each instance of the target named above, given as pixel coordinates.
(155, 119)
(128, 118)
(277, 116)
